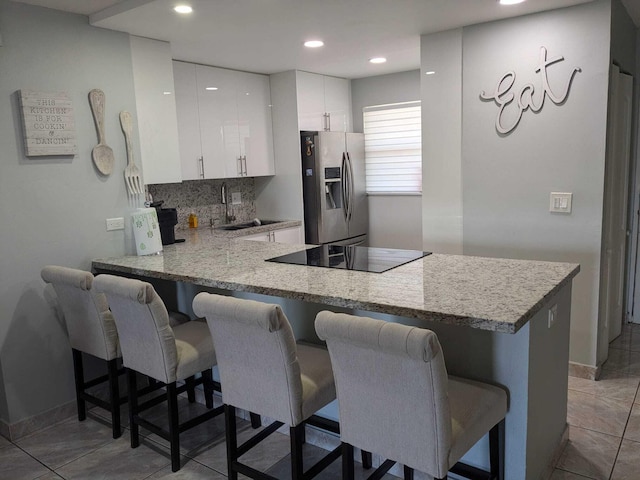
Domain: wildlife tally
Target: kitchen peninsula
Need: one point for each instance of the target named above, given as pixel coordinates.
(501, 321)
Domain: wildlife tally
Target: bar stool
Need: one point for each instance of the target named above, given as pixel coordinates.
(264, 371)
(91, 330)
(396, 399)
(152, 347)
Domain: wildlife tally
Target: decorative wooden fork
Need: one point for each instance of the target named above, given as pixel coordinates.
(131, 172)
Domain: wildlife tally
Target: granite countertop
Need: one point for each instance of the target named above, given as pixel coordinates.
(484, 293)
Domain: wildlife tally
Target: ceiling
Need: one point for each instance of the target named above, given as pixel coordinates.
(266, 36)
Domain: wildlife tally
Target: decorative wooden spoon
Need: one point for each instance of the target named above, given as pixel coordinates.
(102, 154)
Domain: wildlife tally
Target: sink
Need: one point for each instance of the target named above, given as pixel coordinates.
(242, 226)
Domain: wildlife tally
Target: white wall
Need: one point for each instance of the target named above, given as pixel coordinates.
(395, 221)
(53, 208)
(507, 179)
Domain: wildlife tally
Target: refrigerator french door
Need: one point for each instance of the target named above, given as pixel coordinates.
(333, 180)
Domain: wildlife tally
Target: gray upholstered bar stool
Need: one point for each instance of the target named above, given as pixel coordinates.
(152, 347)
(91, 330)
(263, 371)
(396, 399)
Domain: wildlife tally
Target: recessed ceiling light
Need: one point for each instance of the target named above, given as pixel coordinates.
(430, 72)
(166, 93)
(510, 2)
(183, 9)
(210, 88)
(313, 43)
(377, 60)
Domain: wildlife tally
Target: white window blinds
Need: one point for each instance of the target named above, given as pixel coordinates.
(393, 148)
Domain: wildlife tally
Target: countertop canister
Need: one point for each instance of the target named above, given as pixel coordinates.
(146, 231)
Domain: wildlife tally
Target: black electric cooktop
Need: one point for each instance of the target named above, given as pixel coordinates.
(350, 257)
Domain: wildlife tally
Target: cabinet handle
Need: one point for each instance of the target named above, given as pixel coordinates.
(245, 165)
(328, 122)
(325, 121)
(239, 165)
(201, 162)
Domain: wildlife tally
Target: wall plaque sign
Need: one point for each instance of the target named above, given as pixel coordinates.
(528, 97)
(48, 123)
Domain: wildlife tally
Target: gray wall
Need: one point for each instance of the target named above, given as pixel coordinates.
(53, 208)
(623, 36)
(507, 179)
(395, 221)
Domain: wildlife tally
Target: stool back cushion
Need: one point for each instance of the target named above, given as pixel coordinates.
(146, 338)
(89, 322)
(256, 353)
(391, 384)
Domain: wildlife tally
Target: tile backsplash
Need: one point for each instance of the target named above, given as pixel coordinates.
(202, 197)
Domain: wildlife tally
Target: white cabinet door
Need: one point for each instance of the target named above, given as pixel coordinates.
(310, 96)
(254, 125)
(337, 103)
(218, 120)
(324, 103)
(288, 235)
(156, 110)
(285, 235)
(260, 237)
(184, 75)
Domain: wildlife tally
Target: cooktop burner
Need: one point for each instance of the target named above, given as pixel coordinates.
(350, 257)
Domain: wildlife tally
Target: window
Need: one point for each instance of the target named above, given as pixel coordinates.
(393, 149)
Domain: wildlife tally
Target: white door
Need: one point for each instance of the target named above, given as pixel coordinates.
(615, 212)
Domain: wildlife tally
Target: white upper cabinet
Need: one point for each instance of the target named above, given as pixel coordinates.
(191, 159)
(324, 103)
(218, 120)
(254, 125)
(155, 110)
(225, 117)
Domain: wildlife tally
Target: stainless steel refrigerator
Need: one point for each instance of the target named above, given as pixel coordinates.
(333, 181)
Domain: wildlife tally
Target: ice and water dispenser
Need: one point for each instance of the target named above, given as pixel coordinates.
(332, 188)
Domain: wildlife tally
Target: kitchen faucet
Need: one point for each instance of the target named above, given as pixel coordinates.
(225, 201)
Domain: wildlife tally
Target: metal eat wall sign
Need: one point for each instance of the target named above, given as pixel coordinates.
(525, 98)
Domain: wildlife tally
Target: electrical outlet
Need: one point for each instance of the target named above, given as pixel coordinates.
(115, 224)
(553, 315)
(236, 198)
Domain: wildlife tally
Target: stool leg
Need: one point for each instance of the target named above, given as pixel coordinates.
(191, 388)
(296, 435)
(232, 440)
(347, 462)
(114, 396)
(78, 372)
(367, 459)
(133, 408)
(207, 386)
(256, 421)
(408, 473)
(174, 427)
(496, 449)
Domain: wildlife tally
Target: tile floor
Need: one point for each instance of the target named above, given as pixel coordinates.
(604, 439)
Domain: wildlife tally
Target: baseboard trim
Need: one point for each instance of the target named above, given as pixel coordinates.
(584, 371)
(15, 431)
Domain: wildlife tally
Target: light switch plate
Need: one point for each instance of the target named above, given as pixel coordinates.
(236, 198)
(115, 224)
(560, 202)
